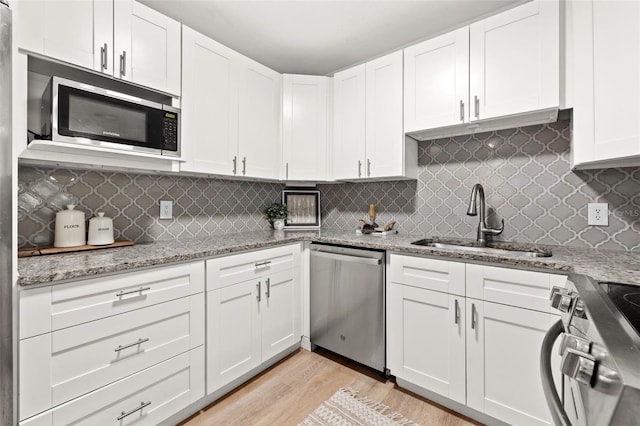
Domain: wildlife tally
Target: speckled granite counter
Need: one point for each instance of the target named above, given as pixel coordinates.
(620, 266)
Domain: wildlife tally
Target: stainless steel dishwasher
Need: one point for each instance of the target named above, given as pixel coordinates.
(347, 303)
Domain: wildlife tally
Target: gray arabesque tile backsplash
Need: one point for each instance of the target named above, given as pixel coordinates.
(525, 173)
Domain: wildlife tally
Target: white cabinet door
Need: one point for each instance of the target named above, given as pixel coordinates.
(436, 82)
(147, 46)
(514, 61)
(384, 135)
(259, 121)
(280, 312)
(68, 30)
(209, 103)
(606, 111)
(349, 123)
(233, 333)
(426, 339)
(503, 358)
(304, 127)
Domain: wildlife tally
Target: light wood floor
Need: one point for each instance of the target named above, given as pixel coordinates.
(290, 390)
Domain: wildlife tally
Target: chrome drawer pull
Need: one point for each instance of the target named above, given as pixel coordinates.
(258, 286)
(457, 312)
(140, 290)
(268, 292)
(473, 316)
(139, 342)
(261, 264)
(138, 408)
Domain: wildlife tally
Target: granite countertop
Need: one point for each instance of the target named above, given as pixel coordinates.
(609, 265)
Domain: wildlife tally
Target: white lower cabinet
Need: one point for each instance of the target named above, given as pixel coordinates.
(92, 349)
(253, 320)
(503, 358)
(480, 348)
(427, 334)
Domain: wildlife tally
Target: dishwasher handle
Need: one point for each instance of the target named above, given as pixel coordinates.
(348, 258)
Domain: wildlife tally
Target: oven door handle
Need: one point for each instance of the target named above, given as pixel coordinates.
(553, 400)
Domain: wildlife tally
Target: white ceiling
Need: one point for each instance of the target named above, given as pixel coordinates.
(320, 37)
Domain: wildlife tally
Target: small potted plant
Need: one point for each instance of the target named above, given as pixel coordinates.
(276, 214)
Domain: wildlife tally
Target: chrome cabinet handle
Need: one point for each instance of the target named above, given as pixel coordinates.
(368, 168)
(103, 56)
(287, 171)
(268, 292)
(235, 164)
(139, 342)
(461, 110)
(140, 290)
(457, 312)
(359, 168)
(477, 106)
(123, 63)
(473, 316)
(138, 408)
(258, 288)
(244, 166)
(260, 264)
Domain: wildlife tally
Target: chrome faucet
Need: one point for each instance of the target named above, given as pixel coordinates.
(483, 229)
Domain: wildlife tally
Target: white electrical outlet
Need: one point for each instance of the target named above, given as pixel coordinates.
(166, 209)
(598, 214)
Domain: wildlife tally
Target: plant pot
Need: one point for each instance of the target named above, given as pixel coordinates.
(278, 224)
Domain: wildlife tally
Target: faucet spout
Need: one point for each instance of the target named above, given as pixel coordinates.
(483, 230)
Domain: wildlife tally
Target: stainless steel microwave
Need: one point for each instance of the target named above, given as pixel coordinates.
(83, 114)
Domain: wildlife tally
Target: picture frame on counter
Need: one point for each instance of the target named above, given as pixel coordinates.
(303, 209)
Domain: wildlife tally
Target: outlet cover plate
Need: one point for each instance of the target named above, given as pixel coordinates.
(166, 209)
(598, 214)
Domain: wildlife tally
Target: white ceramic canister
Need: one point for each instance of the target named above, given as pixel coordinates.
(100, 230)
(70, 230)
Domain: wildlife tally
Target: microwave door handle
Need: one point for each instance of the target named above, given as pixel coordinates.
(553, 400)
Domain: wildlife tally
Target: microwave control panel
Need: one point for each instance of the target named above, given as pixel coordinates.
(170, 131)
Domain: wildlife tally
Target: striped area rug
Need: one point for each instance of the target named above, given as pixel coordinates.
(346, 408)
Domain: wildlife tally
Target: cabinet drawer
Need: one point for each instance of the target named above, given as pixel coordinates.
(82, 301)
(525, 289)
(167, 388)
(430, 274)
(224, 271)
(77, 360)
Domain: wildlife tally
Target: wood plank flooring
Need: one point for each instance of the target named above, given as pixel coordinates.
(290, 390)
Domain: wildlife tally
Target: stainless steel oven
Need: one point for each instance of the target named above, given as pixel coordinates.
(600, 348)
(82, 114)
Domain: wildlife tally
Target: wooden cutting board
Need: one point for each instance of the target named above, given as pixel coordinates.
(57, 250)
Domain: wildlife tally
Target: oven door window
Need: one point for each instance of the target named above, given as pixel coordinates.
(93, 116)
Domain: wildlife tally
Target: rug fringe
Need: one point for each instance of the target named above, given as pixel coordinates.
(378, 407)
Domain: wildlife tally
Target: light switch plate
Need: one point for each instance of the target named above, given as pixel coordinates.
(598, 214)
(166, 209)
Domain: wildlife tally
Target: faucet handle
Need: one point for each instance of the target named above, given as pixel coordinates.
(492, 231)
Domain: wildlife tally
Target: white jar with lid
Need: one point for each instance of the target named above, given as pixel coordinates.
(70, 229)
(100, 230)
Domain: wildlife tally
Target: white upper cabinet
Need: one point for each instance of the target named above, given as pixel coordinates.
(146, 46)
(120, 38)
(349, 122)
(209, 105)
(514, 61)
(500, 72)
(605, 46)
(230, 111)
(368, 132)
(259, 113)
(436, 82)
(304, 127)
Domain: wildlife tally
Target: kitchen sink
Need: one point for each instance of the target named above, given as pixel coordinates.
(470, 247)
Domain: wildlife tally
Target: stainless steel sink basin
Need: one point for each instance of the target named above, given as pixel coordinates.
(478, 249)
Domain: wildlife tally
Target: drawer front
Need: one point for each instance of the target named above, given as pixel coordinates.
(430, 274)
(525, 289)
(82, 358)
(228, 270)
(89, 300)
(148, 397)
